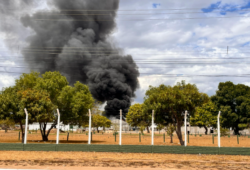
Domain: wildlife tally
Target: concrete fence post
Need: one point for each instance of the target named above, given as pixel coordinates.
(58, 126)
(185, 117)
(26, 126)
(90, 135)
(120, 140)
(152, 139)
(218, 127)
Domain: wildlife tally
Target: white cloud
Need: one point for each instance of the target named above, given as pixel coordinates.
(6, 80)
(173, 39)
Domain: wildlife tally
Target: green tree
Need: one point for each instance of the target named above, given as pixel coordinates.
(39, 107)
(74, 103)
(6, 124)
(136, 116)
(27, 81)
(51, 91)
(170, 128)
(159, 127)
(205, 116)
(170, 103)
(100, 121)
(53, 83)
(234, 103)
(9, 109)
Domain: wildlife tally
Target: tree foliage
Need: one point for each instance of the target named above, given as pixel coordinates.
(205, 116)
(41, 96)
(100, 121)
(234, 103)
(74, 103)
(7, 124)
(160, 127)
(39, 107)
(170, 129)
(170, 103)
(9, 109)
(136, 116)
(53, 83)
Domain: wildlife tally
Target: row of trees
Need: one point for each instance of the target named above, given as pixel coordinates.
(170, 104)
(234, 103)
(41, 95)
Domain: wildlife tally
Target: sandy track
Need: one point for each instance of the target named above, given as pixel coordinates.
(25, 159)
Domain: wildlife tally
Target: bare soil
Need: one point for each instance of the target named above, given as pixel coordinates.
(102, 161)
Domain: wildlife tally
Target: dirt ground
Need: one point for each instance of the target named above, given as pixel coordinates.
(127, 139)
(112, 161)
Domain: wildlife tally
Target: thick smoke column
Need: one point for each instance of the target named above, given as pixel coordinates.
(72, 39)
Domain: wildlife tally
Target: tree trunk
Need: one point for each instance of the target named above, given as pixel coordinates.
(148, 129)
(236, 131)
(171, 138)
(45, 136)
(205, 130)
(97, 130)
(178, 132)
(21, 126)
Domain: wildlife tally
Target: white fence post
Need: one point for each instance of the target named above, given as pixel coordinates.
(185, 128)
(89, 142)
(120, 140)
(218, 129)
(26, 126)
(58, 126)
(152, 140)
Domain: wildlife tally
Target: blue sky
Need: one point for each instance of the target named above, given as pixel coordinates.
(225, 8)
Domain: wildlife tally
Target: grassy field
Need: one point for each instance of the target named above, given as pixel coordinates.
(127, 139)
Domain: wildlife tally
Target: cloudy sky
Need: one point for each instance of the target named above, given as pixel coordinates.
(181, 40)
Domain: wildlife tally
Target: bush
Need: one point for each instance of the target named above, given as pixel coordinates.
(223, 132)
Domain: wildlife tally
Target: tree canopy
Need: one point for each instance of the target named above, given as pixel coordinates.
(42, 95)
(170, 103)
(74, 103)
(205, 116)
(100, 121)
(6, 124)
(39, 107)
(136, 116)
(234, 103)
(9, 109)
(170, 128)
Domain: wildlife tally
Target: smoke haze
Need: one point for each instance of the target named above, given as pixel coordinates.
(73, 39)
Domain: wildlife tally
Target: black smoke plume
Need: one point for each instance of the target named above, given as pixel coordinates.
(73, 39)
